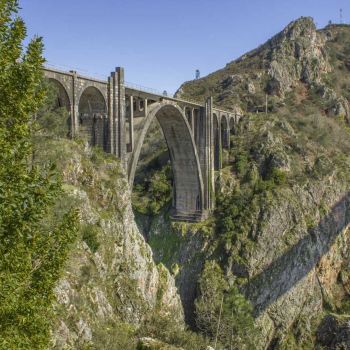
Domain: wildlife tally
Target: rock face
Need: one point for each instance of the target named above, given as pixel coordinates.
(290, 252)
(296, 54)
(110, 276)
(287, 282)
(292, 260)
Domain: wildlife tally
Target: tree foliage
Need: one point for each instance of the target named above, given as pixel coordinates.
(32, 254)
(155, 194)
(222, 312)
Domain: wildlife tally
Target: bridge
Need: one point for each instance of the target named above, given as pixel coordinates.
(116, 117)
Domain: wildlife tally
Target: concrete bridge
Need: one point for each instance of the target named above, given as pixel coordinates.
(116, 117)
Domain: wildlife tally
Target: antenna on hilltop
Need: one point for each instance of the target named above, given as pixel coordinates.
(198, 74)
(341, 16)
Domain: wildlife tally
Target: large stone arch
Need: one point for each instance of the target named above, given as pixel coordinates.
(93, 121)
(188, 182)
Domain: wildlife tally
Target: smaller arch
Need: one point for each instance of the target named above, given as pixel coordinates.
(93, 121)
(232, 128)
(225, 132)
(62, 99)
(217, 142)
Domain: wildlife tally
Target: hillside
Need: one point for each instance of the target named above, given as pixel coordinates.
(280, 232)
(298, 63)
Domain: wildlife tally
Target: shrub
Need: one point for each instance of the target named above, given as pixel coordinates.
(90, 235)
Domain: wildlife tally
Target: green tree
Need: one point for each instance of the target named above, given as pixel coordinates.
(32, 253)
(222, 312)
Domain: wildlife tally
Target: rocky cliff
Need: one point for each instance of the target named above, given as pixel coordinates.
(111, 283)
(281, 229)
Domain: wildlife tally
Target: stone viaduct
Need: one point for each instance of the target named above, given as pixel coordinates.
(116, 117)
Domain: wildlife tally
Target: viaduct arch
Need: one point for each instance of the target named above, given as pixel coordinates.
(116, 117)
(188, 181)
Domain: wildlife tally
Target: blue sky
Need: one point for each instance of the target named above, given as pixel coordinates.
(161, 43)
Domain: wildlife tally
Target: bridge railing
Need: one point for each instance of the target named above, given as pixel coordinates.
(158, 93)
(145, 89)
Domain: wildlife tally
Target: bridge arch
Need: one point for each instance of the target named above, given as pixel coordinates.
(62, 98)
(225, 139)
(217, 141)
(232, 126)
(188, 195)
(93, 121)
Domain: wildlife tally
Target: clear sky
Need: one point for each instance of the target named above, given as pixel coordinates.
(161, 43)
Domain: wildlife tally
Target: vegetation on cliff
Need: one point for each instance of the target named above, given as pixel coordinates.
(279, 232)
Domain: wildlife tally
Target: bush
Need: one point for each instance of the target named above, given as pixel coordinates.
(90, 236)
(149, 198)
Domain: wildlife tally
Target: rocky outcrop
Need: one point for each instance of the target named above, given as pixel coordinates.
(110, 276)
(296, 54)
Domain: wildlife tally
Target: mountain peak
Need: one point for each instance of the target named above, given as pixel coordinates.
(298, 58)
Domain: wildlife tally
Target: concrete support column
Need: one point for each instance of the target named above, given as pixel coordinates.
(227, 137)
(192, 120)
(145, 107)
(75, 105)
(195, 123)
(110, 96)
(219, 144)
(119, 114)
(205, 141)
(210, 153)
(131, 125)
